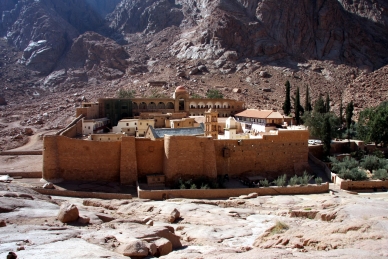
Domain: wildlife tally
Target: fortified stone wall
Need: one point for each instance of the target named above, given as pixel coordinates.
(73, 159)
(188, 157)
(131, 158)
(270, 157)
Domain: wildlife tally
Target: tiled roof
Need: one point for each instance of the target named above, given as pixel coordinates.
(275, 115)
(253, 113)
(160, 132)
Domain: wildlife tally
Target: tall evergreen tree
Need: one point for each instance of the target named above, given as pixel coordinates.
(319, 105)
(287, 101)
(297, 106)
(307, 104)
(327, 104)
(326, 139)
(349, 115)
(341, 111)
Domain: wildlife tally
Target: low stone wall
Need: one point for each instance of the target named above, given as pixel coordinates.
(23, 174)
(226, 193)
(78, 194)
(361, 185)
(21, 153)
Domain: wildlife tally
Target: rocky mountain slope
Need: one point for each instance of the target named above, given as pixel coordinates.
(54, 49)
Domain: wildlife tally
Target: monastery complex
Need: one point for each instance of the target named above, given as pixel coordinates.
(162, 140)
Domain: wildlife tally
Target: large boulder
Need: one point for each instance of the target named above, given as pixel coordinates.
(164, 246)
(174, 215)
(136, 248)
(68, 213)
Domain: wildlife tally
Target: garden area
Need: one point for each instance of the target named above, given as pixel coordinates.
(360, 167)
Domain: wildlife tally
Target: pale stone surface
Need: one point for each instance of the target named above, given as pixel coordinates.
(345, 226)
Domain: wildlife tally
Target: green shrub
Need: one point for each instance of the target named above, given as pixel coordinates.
(372, 163)
(304, 179)
(125, 93)
(193, 186)
(318, 180)
(281, 180)
(358, 155)
(354, 174)
(264, 183)
(293, 180)
(182, 186)
(347, 163)
(205, 186)
(380, 174)
(379, 154)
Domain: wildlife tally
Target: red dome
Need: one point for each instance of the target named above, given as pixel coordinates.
(180, 89)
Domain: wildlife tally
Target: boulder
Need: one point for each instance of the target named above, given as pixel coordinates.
(180, 74)
(194, 71)
(174, 215)
(152, 249)
(2, 223)
(236, 90)
(12, 255)
(134, 248)
(264, 74)
(105, 217)
(83, 220)
(150, 223)
(68, 213)
(164, 246)
(202, 68)
(28, 131)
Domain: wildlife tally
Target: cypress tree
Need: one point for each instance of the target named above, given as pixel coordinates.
(320, 105)
(326, 139)
(341, 110)
(287, 101)
(349, 115)
(297, 106)
(307, 105)
(327, 104)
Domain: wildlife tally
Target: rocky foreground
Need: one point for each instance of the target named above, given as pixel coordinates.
(336, 225)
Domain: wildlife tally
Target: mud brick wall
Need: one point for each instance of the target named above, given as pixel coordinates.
(74, 159)
(189, 157)
(128, 163)
(270, 157)
(149, 156)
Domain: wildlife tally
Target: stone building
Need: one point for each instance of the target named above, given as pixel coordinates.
(116, 109)
(261, 120)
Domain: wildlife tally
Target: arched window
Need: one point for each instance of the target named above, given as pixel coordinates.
(134, 106)
(151, 106)
(161, 105)
(143, 106)
(170, 105)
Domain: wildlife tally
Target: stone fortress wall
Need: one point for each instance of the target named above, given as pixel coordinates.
(131, 158)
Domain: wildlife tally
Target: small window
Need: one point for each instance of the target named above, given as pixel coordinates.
(89, 127)
(127, 124)
(135, 124)
(141, 123)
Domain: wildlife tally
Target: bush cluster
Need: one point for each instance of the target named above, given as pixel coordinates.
(302, 180)
(350, 168)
